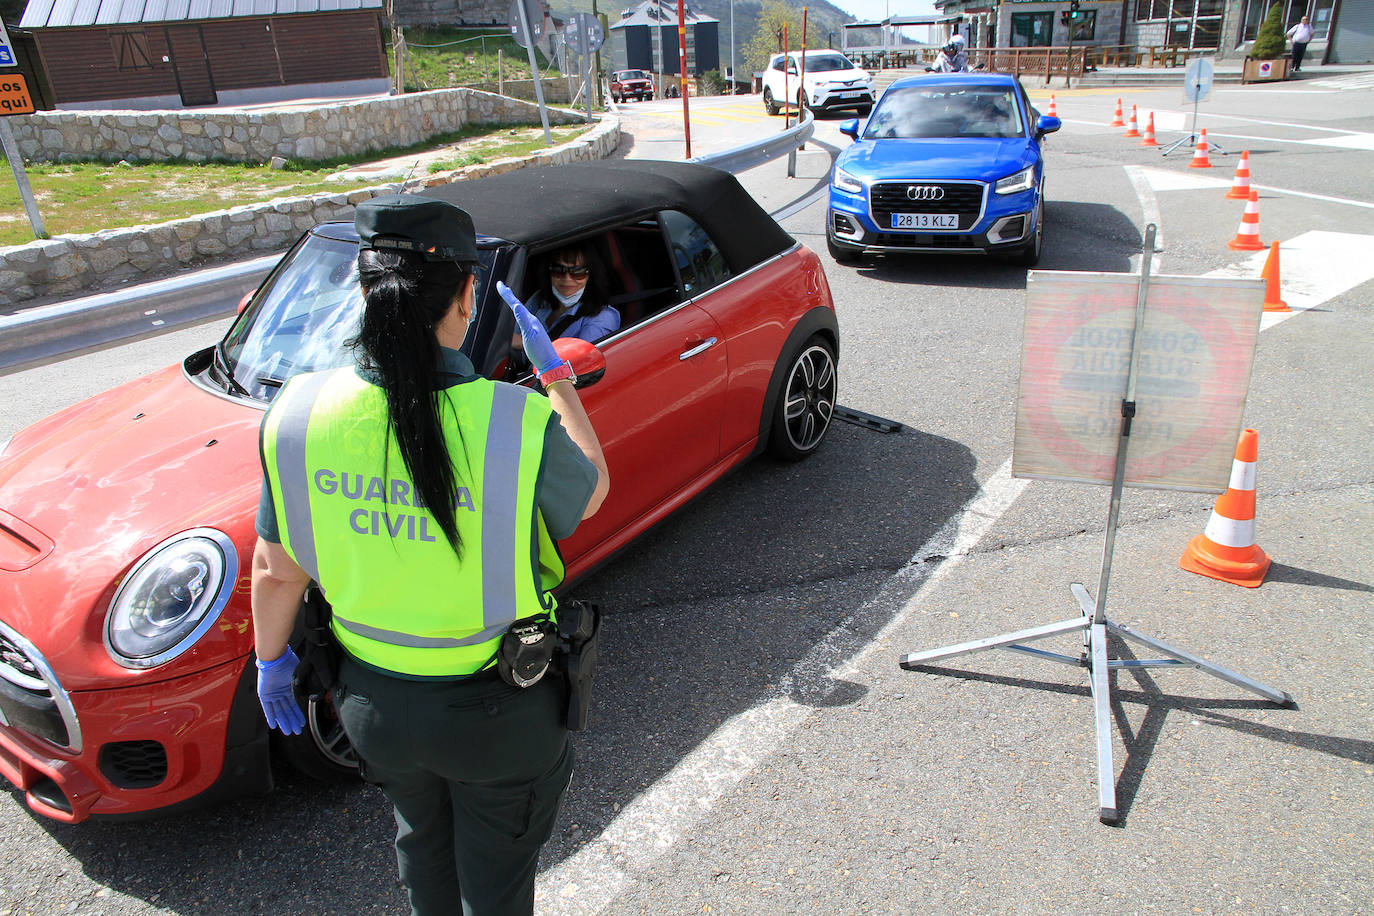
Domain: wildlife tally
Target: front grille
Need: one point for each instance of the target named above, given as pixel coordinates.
(962, 197)
(31, 699)
(134, 764)
(921, 240)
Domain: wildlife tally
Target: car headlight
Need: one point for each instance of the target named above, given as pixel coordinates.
(1023, 180)
(847, 182)
(171, 597)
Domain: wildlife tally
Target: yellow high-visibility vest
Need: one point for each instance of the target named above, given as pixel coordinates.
(348, 514)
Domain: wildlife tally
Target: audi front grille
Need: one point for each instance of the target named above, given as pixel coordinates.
(964, 198)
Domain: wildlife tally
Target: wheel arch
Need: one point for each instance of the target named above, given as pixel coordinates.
(819, 320)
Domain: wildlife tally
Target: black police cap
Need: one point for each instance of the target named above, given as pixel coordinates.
(407, 222)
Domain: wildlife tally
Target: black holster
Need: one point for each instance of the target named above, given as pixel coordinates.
(579, 627)
(318, 671)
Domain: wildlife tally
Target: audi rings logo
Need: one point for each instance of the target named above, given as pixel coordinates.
(924, 192)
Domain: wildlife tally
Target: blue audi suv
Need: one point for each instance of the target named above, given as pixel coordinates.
(947, 163)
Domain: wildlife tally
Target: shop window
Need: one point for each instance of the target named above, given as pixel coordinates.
(1031, 30)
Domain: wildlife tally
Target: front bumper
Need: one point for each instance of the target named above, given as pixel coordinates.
(835, 100)
(147, 748)
(1001, 224)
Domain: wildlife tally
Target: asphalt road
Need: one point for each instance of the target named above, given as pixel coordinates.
(755, 747)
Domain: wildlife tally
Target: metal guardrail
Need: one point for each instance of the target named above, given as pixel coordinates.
(45, 334)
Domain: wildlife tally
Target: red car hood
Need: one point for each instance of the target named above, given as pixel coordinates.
(86, 492)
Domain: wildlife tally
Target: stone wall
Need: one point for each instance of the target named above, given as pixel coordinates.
(324, 132)
(70, 264)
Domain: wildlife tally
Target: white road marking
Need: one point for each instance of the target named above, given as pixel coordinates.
(1149, 211)
(1167, 180)
(1313, 268)
(1350, 141)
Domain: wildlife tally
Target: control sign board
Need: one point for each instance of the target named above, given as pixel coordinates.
(6, 49)
(583, 33)
(14, 95)
(1194, 357)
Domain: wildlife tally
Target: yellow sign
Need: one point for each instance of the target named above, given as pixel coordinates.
(14, 95)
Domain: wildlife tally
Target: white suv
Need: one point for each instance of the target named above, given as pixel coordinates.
(832, 81)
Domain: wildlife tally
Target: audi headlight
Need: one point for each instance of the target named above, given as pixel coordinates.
(171, 597)
(847, 182)
(1023, 180)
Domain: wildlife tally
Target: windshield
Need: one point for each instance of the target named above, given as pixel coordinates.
(819, 63)
(953, 111)
(302, 320)
(631, 75)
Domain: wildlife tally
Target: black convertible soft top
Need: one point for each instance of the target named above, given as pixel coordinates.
(537, 205)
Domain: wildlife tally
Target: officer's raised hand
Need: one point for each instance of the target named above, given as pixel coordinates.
(538, 347)
(276, 695)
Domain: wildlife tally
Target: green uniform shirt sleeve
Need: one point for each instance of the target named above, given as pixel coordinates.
(266, 522)
(567, 479)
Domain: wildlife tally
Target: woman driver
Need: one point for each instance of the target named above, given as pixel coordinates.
(571, 301)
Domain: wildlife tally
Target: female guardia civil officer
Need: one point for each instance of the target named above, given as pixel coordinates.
(425, 501)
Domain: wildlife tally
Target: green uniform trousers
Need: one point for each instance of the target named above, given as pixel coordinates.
(476, 770)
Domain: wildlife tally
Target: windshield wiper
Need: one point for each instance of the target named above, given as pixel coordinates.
(222, 363)
(269, 381)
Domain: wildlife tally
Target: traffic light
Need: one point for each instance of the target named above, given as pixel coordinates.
(1073, 9)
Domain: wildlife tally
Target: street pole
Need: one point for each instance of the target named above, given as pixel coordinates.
(682, 73)
(733, 75)
(21, 179)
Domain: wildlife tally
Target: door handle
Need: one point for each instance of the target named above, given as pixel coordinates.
(702, 347)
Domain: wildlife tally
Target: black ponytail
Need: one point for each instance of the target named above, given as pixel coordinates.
(405, 296)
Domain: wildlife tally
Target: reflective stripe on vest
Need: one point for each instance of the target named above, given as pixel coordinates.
(392, 613)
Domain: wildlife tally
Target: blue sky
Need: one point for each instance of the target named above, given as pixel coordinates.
(878, 9)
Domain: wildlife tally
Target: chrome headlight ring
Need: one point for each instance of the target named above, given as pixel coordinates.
(170, 598)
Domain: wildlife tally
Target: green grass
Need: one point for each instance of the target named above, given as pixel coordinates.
(442, 58)
(82, 197)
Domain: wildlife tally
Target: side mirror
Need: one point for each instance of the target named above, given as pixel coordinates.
(243, 303)
(850, 128)
(1047, 124)
(587, 361)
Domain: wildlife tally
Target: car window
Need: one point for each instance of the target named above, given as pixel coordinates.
(699, 262)
(914, 113)
(775, 63)
(820, 63)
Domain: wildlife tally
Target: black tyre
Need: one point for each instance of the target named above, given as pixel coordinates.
(841, 254)
(806, 401)
(322, 750)
(1029, 256)
(769, 104)
(801, 102)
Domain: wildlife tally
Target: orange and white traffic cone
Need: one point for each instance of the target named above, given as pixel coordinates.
(1247, 236)
(1150, 132)
(1133, 130)
(1116, 118)
(1053, 112)
(1226, 549)
(1240, 185)
(1200, 160)
(1270, 275)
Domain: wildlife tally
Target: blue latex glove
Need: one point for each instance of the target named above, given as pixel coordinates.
(538, 347)
(276, 696)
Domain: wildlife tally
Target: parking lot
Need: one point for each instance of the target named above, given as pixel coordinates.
(755, 747)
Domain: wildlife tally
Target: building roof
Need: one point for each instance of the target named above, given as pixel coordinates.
(52, 14)
(659, 13)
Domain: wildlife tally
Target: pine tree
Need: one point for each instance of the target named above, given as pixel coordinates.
(1270, 39)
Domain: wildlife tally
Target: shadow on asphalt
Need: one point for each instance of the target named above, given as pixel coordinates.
(707, 614)
(1106, 242)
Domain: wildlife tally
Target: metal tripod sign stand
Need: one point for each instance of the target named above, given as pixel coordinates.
(1197, 85)
(1142, 346)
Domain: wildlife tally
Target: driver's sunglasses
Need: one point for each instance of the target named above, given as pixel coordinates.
(569, 270)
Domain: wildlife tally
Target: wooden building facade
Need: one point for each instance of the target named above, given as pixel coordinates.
(146, 54)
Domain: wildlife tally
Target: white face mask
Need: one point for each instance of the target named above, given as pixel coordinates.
(567, 301)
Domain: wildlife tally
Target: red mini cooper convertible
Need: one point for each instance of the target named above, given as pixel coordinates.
(126, 521)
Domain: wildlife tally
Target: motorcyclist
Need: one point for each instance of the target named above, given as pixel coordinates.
(952, 57)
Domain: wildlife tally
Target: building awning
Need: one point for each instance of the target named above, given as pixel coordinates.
(54, 14)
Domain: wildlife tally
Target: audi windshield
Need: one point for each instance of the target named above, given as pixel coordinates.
(947, 112)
